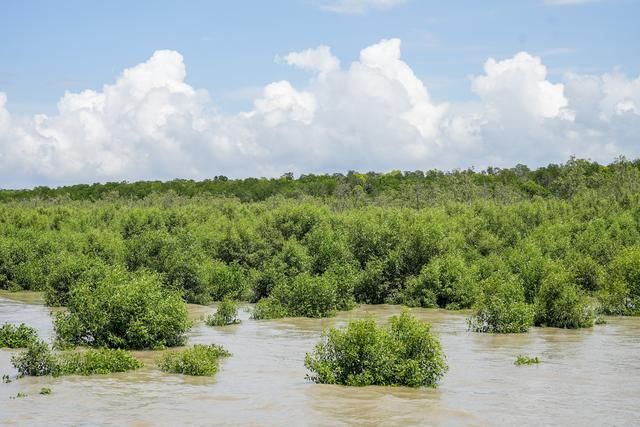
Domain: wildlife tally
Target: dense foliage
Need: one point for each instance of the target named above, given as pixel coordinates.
(123, 310)
(562, 241)
(199, 360)
(406, 354)
(501, 307)
(226, 314)
(39, 360)
(12, 336)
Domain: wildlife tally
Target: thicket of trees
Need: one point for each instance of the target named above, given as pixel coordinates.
(554, 247)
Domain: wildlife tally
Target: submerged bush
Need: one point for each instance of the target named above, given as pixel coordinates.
(96, 361)
(562, 304)
(405, 354)
(199, 360)
(501, 307)
(226, 314)
(123, 310)
(38, 360)
(526, 360)
(12, 336)
(269, 308)
(307, 296)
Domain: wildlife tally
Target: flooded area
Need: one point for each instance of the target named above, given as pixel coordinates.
(587, 377)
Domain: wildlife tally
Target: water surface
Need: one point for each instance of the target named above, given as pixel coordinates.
(587, 377)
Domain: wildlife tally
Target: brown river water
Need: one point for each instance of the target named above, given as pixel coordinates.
(586, 377)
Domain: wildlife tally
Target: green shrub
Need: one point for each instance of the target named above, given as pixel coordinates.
(308, 296)
(226, 314)
(123, 310)
(199, 360)
(406, 354)
(45, 391)
(625, 273)
(38, 360)
(526, 360)
(66, 271)
(450, 279)
(269, 308)
(562, 304)
(12, 336)
(501, 307)
(96, 361)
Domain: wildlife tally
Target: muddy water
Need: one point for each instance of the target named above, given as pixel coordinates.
(589, 377)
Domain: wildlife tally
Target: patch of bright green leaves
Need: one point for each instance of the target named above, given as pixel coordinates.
(406, 353)
(12, 336)
(199, 360)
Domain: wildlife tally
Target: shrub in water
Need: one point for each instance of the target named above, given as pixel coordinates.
(269, 308)
(199, 360)
(37, 360)
(304, 295)
(226, 314)
(501, 307)
(96, 361)
(12, 336)
(562, 304)
(45, 390)
(526, 360)
(406, 354)
(123, 310)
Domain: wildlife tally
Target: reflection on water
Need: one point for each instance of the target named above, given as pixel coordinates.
(587, 377)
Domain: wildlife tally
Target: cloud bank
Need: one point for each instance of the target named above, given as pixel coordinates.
(374, 114)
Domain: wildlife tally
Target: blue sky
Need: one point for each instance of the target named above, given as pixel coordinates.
(229, 47)
(109, 91)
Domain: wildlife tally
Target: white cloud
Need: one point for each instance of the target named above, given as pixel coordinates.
(519, 85)
(319, 59)
(374, 114)
(360, 6)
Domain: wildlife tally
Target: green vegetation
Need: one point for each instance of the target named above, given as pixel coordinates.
(226, 314)
(405, 354)
(199, 360)
(563, 304)
(96, 361)
(560, 243)
(526, 360)
(123, 310)
(12, 336)
(45, 391)
(501, 307)
(39, 360)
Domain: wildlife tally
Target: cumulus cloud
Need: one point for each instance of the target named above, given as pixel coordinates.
(373, 114)
(520, 85)
(319, 59)
(360, 6)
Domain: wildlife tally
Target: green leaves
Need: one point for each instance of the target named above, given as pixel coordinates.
(199, 360)
(226, 314)
(406, 353)
(12, 336)
(123, 310)
(38, 360)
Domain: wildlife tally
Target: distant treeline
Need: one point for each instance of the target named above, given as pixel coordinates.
(409, 188)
